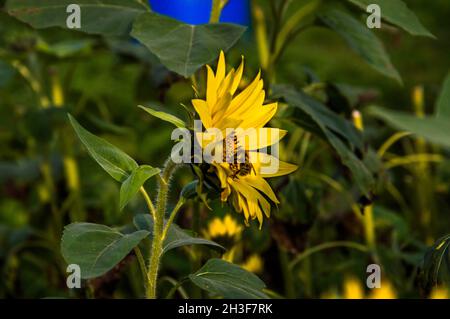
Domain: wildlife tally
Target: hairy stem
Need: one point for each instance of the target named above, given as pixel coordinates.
(158, 228)
(141, 262)
(150, 206)
(180, 203)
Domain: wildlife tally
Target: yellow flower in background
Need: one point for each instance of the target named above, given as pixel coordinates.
(439, 293)
(254, 264)
(386, 291)
(353, 289)
(242, 183)
(227, 227)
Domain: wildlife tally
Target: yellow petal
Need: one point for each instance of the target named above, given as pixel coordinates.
(202, 110)
(265, 205)
(222, 174)
(237, 77)
(263, 163)
(241, 97)
(265, 114)
(225, 193)
(252, 198)
(243, 207)
(257, 138)
(211, 88)
(220, 73)
(236, 201)
(252, 104)
(220, 108)
(228, 122)
(225, 86)
(242, 188)
(210, 140)
(255, 211)
(262, 185)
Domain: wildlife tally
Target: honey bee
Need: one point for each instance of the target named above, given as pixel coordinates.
(244, 170)
(238, 168)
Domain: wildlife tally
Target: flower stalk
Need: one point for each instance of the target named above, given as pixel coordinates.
(217, 7)
(169, 222)
(158, 228)
(148, 201)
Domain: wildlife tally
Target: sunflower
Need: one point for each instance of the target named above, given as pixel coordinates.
(254, 264)
(226, 227)
(439, 293)
(353, 289)
(243, 166)
(227, 232)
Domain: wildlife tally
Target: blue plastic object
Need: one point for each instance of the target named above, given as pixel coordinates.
(199, 11)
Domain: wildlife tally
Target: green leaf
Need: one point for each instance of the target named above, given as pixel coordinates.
(300, 202)
(361, 40)
(222, 278)
(184, 48)
(97, 248)
(164, 116)
(176, 237)
(318, 119)
(13, 31)
(319, 111)
(434, 129)
(396, 12)
(360, 172)
(443, 103)
(190, 190)
(107, 17)
(114, 161)
(386, 218)
(6, 73)
(135, 181)
(66, 48)
(432, 261)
